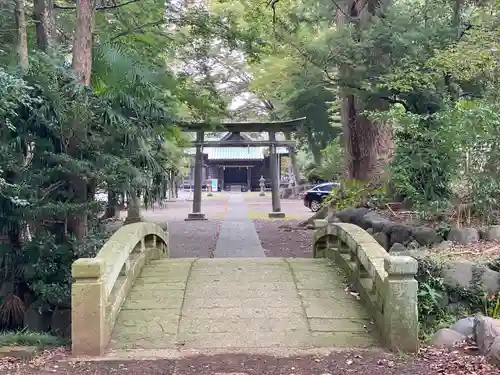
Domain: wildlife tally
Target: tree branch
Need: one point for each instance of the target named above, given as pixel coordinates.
(104, 7)
(135, 29)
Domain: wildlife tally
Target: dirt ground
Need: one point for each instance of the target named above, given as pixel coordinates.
(428, 362)
(282, 238)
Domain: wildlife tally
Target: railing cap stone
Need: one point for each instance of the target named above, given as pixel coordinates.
(400, 266)
(320, 223)
(88, 268)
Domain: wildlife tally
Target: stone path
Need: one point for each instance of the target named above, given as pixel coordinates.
(238, 237)
(236, 303)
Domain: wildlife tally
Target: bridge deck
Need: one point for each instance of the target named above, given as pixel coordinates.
(241, 303)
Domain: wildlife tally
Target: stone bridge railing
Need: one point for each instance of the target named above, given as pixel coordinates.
(101, 284)
(386, 283)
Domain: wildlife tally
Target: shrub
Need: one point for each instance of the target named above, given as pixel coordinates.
(353, 193)
(24, 337)
(48, 265)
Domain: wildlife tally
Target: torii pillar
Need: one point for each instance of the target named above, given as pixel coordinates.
(275, 186)
(198, 165)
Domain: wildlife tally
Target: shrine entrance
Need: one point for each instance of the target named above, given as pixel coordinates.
(230, 170)
(236, 175)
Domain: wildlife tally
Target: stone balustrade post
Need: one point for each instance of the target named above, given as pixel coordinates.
(320, 223)
(400, 310)
(88, 308)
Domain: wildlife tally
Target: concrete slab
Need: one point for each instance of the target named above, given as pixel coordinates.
(154, 299)
(241, 325)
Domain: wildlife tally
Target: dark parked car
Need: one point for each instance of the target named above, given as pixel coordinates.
(313, 197)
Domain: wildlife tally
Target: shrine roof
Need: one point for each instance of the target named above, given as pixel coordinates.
(237, 153)
(249, 126)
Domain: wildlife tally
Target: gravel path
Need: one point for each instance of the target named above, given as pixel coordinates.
(193, 239)
(282, 238)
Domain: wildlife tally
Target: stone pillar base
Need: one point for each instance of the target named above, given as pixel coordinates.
(195, 216)
(276, 215)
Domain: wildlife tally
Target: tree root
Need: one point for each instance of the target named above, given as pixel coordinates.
(321, 214)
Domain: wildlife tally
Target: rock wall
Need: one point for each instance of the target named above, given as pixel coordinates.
(409, 240)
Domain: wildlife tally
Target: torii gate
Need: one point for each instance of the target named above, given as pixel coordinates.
(271, 127)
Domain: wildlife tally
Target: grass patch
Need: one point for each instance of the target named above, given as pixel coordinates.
(27, 338)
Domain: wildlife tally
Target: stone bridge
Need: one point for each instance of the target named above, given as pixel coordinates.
(131, 296)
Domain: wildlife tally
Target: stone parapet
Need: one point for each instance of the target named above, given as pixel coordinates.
(386, 283)
(101, 284)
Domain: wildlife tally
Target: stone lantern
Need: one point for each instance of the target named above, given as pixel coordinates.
(262, 185)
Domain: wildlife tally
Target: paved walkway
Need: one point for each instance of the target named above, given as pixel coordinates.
(240, 303)
(238, 237)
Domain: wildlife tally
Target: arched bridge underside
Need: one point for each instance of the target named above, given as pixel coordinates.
(131, 296)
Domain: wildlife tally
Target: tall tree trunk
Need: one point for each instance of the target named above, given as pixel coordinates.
(111, 205)
(134, 208)
(82, 66)
(369, 146)
(43, 15)
(315, 149)
(82, 41)
(22, 38)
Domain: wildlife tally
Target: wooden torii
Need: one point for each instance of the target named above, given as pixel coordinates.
(271, 127)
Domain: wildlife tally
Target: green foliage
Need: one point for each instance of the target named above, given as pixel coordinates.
(331, 165)
(431, 293)
(60, 141)
(48, 264)
(353, 193)
(425, 161)
(492, 306)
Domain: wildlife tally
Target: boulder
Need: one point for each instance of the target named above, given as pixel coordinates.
(397, 248)
(463, 236)
(346, 214)
(398, 233)
(469, 276)
(382, 239)
(61, 322)
(373, 220)
(494, 354)
(493, 233)
(426, 236)
(464, 326)
(358, 215)
(483, 233)
(486, 330)
(38, 317)
(447, 338)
